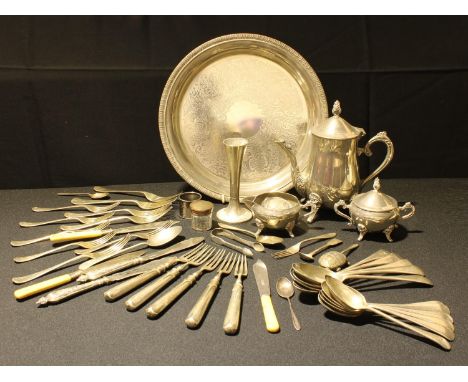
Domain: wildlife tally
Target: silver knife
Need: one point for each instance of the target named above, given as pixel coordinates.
(65, 293)
(93, 274)
(66, 278)
(263, 284)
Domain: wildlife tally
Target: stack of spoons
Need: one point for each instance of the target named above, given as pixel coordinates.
(429, 319)
(382, 265)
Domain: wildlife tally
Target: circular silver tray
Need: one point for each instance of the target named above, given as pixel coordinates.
(239, 85)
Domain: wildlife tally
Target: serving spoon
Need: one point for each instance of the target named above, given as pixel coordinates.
(354, 302)
(95, 195)
(335, 260)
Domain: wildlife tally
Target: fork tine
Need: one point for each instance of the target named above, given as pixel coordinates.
(238, 264)
(232, 260)
(117, 246)
(207, 254)
(215, 260)
(101, 240)
(193, 252)
(245, 268)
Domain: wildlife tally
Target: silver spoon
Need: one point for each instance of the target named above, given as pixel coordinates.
(264, 239)
(285, 289)
(334, 260)
(310, 256)
(94, 195)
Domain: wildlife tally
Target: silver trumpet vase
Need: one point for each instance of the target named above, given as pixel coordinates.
(234, 212)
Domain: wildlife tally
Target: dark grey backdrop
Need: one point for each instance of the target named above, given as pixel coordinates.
(79, 95)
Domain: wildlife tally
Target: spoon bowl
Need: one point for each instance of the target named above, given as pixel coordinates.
(164, 236)
(94, 195)
(284, 287)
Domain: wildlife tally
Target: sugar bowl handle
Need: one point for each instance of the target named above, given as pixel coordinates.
(379, 137)
(336, 207)
(407, 206)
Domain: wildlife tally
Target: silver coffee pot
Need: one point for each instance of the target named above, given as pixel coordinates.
(331, 173)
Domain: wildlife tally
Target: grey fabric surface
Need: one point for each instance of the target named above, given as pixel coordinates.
(88, 331)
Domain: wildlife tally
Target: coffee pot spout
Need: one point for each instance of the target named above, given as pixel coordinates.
(299, 178)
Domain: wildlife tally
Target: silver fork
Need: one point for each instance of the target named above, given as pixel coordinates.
(129, 211)
(192, 259)
(294, 249)
(98, 257)
(232, 318)
(119, 219)
(200, 308)
(83, 244)
(169, 297)
(90, 208)
(136, 235)
(84, 220)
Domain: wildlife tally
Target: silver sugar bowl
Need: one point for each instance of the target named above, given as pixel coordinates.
(374, 211)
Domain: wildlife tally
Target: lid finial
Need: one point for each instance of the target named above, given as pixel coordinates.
(376, 184)
(336, 108)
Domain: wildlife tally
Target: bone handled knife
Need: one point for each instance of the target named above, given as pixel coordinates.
(261, 277)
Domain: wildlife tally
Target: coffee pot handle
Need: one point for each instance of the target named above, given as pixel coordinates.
(379, 137)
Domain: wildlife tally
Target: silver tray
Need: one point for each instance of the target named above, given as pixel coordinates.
(239, 85)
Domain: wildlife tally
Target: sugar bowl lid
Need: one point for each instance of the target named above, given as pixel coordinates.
(375, 200)
(336, 127)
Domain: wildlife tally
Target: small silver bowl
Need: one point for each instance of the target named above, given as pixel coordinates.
(274, 210)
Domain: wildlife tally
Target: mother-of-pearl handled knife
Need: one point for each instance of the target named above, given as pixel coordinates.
(263, 284)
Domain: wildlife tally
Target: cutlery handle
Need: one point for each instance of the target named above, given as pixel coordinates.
(232, 318)
(36, 275)
(200, 308)
(408, 278)
(113, 268)
(19, 243)
(65, 293)
(22, 259)
(72, 236)
(431, 336)
(112, 191)
(440, 327)
(271, 322)
(47, 209)
(37, 224)
(103, 257)
(37, 288)
(139, 298)
(317, 238)
(234, 228)
(295, 320)
(127, 286)
(169, 297)
(78, 227)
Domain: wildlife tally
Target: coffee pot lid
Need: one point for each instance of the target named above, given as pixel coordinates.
(375, 200)
(336, 127)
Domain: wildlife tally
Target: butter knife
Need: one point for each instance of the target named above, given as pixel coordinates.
(261, 277)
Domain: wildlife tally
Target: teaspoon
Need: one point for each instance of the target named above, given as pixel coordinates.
(285, 289)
